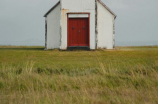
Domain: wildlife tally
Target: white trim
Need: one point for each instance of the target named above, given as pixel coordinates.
(78, 15)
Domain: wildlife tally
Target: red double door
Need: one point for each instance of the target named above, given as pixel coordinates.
(78, 32)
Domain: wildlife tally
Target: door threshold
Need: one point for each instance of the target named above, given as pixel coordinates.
(71, 48)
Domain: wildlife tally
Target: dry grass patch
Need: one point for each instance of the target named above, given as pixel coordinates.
(82, 77)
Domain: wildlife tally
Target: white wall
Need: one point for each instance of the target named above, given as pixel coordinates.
(53, 28)
(105, 21)
(77, 6)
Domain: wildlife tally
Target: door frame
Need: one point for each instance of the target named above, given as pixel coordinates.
(68, 44)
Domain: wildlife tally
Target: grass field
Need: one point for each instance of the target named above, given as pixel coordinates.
(126, 75)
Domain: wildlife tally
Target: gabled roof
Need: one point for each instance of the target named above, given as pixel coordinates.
(107, 8)
(97, 0)
(52, 8)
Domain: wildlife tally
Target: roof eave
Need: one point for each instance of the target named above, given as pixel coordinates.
(108, 9)
(98, 1)
(52, 8)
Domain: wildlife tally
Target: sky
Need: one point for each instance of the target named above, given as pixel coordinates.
(22, 21)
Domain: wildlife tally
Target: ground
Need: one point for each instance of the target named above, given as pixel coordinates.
(126, 75)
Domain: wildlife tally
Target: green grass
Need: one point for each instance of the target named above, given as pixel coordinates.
(126, 75)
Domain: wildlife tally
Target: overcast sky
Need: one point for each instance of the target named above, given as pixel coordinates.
(22, 21)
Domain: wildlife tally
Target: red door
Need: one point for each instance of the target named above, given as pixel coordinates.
(78, 32)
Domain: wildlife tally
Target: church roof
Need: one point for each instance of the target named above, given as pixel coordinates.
(97, 0)
(52, 8)
(107, 8)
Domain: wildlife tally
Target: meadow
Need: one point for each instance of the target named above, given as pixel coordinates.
(125, 75)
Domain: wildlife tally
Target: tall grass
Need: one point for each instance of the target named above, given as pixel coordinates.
(100, 77)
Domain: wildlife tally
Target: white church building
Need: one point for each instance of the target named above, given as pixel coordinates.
(80, 24)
